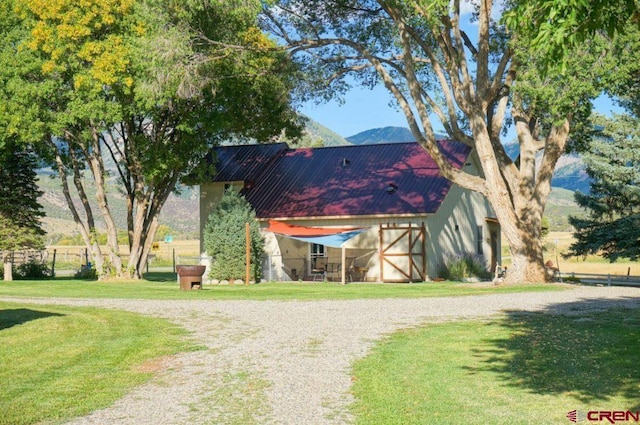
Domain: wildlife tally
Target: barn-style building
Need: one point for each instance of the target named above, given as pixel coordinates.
(375, 212)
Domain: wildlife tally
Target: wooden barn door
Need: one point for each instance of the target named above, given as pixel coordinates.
(403, 253)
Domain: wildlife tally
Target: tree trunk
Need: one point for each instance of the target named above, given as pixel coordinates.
(525, 245)
(96, 165)
(87, 229)
(145, 228)
(146, 248)
(527, 266)
(8, 271)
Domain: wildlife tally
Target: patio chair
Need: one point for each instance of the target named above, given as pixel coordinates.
(319, 270)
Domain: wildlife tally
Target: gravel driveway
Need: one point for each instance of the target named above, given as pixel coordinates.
(290, 361)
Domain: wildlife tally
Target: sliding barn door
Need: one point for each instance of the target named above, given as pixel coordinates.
(403, 253)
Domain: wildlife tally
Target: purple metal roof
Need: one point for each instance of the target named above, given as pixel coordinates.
(246, 162)
(398, 178)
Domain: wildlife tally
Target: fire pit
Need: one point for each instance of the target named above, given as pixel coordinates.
(190, 277)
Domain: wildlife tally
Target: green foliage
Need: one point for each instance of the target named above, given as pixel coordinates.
(19, 191)
(555, 28)
(14, 237)
(20, 212)
(32, 270)
(163, 231)
(622, 82)
(545, 226)
(463, 266)
(152, 85)
(225, 238)
(613, 163)
(88, 273)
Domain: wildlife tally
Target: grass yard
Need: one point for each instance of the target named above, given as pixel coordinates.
(164, 286)
(61, 362)
(522, 368)
(519, 368)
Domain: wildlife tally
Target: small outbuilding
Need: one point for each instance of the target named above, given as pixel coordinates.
(378, 212)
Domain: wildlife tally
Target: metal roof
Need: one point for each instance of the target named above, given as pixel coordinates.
(244, 162)
(359, 180)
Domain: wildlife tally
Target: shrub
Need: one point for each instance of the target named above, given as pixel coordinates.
(461, 266)
(32, 270)
(225, 240)
(86, 273)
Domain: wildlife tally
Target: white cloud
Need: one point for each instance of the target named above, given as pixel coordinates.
(467, 7)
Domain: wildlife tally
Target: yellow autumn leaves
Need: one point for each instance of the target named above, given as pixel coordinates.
(85, 37)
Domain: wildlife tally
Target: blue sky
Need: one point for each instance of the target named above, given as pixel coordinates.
(364, 109)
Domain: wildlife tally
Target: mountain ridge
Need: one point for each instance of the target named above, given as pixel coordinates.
(178, 212)
(570, 172)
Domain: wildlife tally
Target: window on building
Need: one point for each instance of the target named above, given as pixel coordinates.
(318, 251)
(479, 241)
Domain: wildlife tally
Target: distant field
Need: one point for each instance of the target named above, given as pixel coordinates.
(556, 244)
(75, 255)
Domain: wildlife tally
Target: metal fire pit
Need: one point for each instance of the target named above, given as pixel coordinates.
(190, 277)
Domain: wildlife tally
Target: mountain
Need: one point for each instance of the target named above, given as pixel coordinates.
(560, 205)
(180, 212)
(570, 172)
(382, 135)
(322, 136)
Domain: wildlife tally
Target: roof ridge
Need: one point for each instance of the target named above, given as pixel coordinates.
(362, 145)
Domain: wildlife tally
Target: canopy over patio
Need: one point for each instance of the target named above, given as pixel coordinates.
(328, 236)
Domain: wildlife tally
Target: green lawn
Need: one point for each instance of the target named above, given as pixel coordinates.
(164, 286)
(61, 362)
(522, 368)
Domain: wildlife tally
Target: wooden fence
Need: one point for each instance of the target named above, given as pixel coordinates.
(27, 256)
(599, 279)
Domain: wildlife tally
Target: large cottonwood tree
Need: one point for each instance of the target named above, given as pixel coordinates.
(150, 87)
(471, 78)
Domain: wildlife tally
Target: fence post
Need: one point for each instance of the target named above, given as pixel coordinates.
(608, 279)
(174, 260)
(53, 263)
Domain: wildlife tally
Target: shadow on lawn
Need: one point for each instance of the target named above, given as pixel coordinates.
(161, 277)
(18, 316)
(590, 349)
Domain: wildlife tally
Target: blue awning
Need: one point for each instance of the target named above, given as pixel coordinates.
(333, 237)
(335, 241)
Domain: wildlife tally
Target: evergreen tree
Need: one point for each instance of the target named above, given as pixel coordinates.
(225, 238)
(613, 163)
(20, 212)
